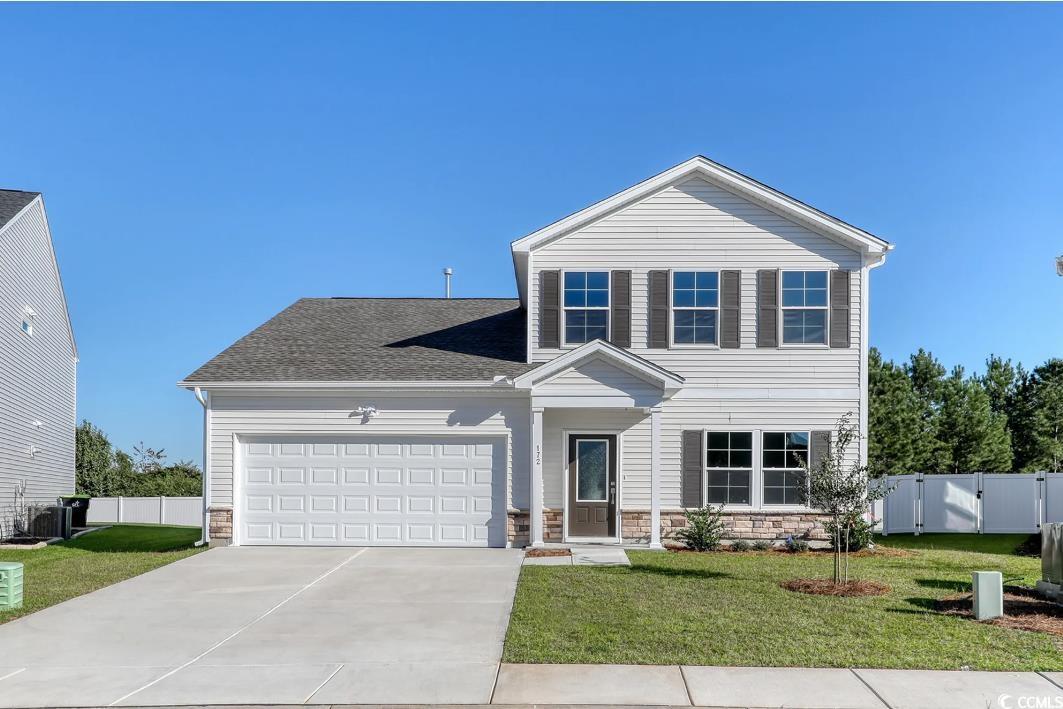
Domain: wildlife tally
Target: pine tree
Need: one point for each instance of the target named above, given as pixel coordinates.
(895, 421)
(1039, 419)
(975, 437)
(927, 378)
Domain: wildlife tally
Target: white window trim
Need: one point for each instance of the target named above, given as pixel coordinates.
(672, 344)
(753, 469)
(608, 307)
(29, 318)
(782, 507)
(826, 308)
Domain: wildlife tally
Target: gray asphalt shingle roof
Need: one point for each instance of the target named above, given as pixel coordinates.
(378, 339)
(12, 202)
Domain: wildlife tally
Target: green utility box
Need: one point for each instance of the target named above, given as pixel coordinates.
(10, 585)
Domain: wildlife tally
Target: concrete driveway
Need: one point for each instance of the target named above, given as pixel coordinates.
(273, 626)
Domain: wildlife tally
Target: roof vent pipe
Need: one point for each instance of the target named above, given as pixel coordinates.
(447, 273)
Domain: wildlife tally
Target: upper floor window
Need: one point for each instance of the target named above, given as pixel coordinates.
(783, 462)
(28, 316)
(695, 307)
(804, 307)
(586, 301)
(729, 463)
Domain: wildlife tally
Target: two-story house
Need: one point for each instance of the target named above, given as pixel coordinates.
(691, 339)
(38, 363)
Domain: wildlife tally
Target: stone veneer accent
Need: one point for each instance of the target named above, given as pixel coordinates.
(221, 526)
(518, 529)
(635, 525)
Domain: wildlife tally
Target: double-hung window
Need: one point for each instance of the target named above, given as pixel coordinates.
(695, 307)
(783, 464)
(804, 307)
(586, 305)
(729, 467)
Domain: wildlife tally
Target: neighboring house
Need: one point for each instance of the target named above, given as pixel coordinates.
(690, 339)
(39, 361)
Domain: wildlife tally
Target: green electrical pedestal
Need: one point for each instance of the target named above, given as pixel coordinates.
(10, 585)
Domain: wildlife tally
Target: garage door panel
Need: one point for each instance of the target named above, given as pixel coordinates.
(413, 491)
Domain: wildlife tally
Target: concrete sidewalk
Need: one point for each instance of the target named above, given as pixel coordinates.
(794, 687)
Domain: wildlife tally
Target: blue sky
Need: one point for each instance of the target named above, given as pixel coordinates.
(205, 165)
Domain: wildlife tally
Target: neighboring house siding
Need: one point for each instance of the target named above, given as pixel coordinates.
(695, 225)
(37, 380)
(678, 415)
(479, 413)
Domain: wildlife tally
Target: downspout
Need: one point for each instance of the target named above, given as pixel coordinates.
(205, 539)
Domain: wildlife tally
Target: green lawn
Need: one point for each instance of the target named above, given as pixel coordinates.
(728, 609)
(62, 571)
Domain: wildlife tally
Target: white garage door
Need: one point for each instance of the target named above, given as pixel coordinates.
(398, 491)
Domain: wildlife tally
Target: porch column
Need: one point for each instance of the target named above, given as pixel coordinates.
(536, 507)
(655, 478)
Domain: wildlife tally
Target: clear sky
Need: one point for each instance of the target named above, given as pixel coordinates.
(205, 165)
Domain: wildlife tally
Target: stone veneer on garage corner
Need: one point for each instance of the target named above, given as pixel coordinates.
(221, 526)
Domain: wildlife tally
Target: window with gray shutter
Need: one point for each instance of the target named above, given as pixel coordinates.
(658, 325)
(768, 308)
(730, 309)
(620, 302)
(839, 308)
(691, 470)
(820, 448)
(549, 310)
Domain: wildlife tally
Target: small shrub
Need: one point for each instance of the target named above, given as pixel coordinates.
(860, 534)
(704, 529)
(763, 545)
(740, 545)
(796, 545)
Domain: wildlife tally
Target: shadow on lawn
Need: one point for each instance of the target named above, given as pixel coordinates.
(670, 571)
(945, 584)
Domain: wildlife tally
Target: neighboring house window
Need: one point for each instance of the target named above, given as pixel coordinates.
(729, 460)
(804, 307)
(783, 461)
(695, 300)
(586, 302)
(27, 321)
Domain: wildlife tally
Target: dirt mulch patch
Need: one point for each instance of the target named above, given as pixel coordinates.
(827, 587)
(1023, 610)
(536, 553)
(880, 551)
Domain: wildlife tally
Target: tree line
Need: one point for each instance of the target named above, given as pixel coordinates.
(104, 471)
(924, 419)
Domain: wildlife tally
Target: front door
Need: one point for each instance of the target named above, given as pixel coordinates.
(591, 505)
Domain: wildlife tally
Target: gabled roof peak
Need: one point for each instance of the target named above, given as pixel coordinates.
(726, 178)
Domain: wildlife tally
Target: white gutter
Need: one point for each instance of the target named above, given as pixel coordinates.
(385, 386)
(205, 540)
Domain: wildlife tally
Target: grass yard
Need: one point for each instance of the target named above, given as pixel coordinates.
(62, 571)
(728, 609)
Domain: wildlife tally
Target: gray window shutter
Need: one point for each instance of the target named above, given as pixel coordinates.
(818, 448)
(691, 469)
(730, 309)
(839, 308)
(550, 310)
(768, 308)
(620, 309)
(658, 282)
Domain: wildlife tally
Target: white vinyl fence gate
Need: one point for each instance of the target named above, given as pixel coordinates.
(980, 503)
(147, 510)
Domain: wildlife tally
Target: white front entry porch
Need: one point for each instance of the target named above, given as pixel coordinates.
(594, 409)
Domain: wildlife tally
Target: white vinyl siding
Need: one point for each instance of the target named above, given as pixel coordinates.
(678, 415)
(37, 379)
(421, 414)
(696, 226)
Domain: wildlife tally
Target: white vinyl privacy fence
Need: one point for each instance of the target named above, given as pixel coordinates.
(986, 503)
(147, 510)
